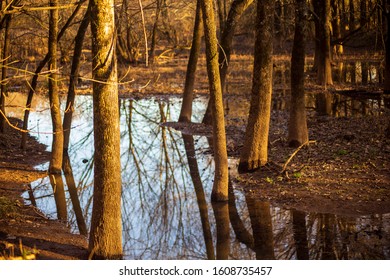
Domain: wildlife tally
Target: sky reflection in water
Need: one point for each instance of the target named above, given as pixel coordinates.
(166, 209)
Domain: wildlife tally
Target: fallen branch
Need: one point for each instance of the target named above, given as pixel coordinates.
(294, 153)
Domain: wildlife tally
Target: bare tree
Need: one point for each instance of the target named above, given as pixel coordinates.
(297, 127)
(186, 108)
(105, 241)
(255, 151)
(221, 180)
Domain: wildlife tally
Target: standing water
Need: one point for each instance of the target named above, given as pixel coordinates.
(167, 180)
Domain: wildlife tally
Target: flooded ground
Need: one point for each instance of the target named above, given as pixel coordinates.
(167, 179)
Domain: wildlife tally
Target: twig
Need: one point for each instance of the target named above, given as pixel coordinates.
(294, 153)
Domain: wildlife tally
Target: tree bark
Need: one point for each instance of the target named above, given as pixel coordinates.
(153, 41)
(237, 8)
(58, 134)
(105, 241)
(3, 61)
(386, 10)
(221, 214)
(220, 186)
(297, 128)
(323, 51)
(255, 151)
(186, 107)
(34, 80)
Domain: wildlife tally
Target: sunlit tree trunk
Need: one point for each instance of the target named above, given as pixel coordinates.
(220, 186)
(221, 214)
(221, 4)
(297, 127)
(55, 167)
(34, 81)
(153, 41)
(105, 241)
(3, 62)
(141, 8)
(58, 135)
(255, 151)
(186, 107)
(237, 8)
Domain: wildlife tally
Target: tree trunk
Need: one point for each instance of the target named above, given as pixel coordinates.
(221, 214)
(34, 80)
(58, 134)
(3, 60)
(237, 8)
(324, 70)
(79, 40)
(221, 14)
(186, 107)
(153, 41)
(255, 151)
(105, 241)
(220, 186)
(297, 128)
(387, 53)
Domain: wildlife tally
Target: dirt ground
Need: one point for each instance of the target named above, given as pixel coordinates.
(24, 230)
(344, 170)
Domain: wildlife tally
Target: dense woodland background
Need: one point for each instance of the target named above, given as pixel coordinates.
(47, 46)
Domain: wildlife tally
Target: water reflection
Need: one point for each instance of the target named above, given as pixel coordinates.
(166, 211)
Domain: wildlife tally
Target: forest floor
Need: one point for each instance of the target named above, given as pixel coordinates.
(344, 170)
(24, 231)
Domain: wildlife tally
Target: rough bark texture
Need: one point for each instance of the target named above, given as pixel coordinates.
(59, 196)
(255, 151)
(237, 8)
(34, 80)
(220, 186)
(323, 52)
(297, 128)
(58, 135)
(221, 214)
(186, 107)
(3, 61)
(105, 240)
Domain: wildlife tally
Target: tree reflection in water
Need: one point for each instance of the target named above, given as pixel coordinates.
(166, 210)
